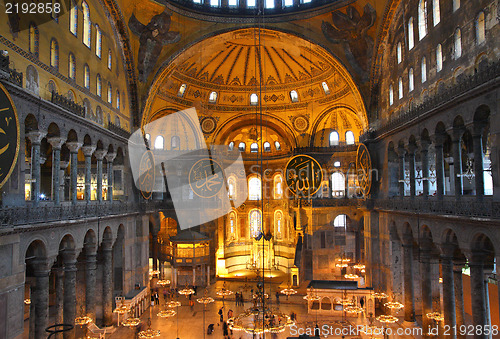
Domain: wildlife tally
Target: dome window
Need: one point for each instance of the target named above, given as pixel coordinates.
(294, 96)
(182, 89)
(212, 98)
(254, 99)
(277, 145)
(267, 147)
(254, 147)
(241, 147)
(325, 88)
(231, 146)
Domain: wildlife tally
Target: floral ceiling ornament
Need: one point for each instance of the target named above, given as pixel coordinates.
(152, 38)
(350, 30)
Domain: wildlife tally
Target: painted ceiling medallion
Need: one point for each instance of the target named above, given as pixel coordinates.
(208, 125)
(300, 123)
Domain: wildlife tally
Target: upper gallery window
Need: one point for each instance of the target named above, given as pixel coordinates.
(54, 54)
(34, 38)
(278, 223)
(439, 58)
(338, 184)
(269, 4)
(436, 12)
(411, 41)
(251, 3)
(117, 99)
(334, 138)
(340, 221)
(456, 5)
(400, 87)
(110, 59)
(71, 66)
(399, 53)
(98, 41)
(457, 45)
(424, 70)
(233, 3)
(231, 185)
(278, 186)
(254, 188)
(110, 93)
(288, 3)
(87, 33)
(86, 76)
(349, 138)
(422, 19)
(98, 85)
(480, 28)
(411, 80)
(214, 3)
(232, 222)
(73, 18)
(391, 95)
(255, 223)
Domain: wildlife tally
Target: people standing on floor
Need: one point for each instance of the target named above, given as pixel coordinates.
(152, 299)
(165, 294)
(157, 298)
(221, 315)
(225, 330)
(277, 298)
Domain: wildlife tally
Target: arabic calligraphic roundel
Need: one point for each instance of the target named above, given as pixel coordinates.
(303, 175)
(363, 169)
(9, 136)
(147, 179)
(206, 178)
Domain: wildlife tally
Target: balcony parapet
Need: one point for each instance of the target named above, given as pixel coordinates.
(25, 215)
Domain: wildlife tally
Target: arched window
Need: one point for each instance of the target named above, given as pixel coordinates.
(325, 87)
(159, 142)
(436, 12)
(456, 5)
(399, 53)
(254, 188)
(87, 30)
(241, 147)
(148, 138)
(117, 99)
(254, 147)
(269, 3)
(334, 138)
(267, 147)
(71, 66)
(338, 184)
(411, 41)
(424, 69)
(86, 76)
(230, 147)
(480, 28)
(251, 3)
(340, 221)
(214, 3)
(110, 93)
(98, 41)
(278, 186)
(175, 142)
(439, 58)
(391, 95)
(255, 218)
(411, 80)
(34, 39)
(181, 91)
(422, 19)
(336, 164)
(278, 224)
(73, 18)
(254, 99)
(54, 54)
(457, 44)
(110, 59)
(233, 3)
(288, 3)
(349, 138)
(232, 225)
(293, 95)
(277, 145)
(99, 85)
(117, 121)
(212, 98)
(231, 188)
(400, 88)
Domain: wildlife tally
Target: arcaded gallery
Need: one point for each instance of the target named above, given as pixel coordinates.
(249, 169)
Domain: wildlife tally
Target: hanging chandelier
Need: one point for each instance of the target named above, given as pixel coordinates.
(380, 295)
(394, 305)
(353, 309)
(224, 292)
(83, 320)
(149, 333)
(173, 304)
(166, 313)
(163, 282)
(288, 291)
(122, 309)
(436, 316)
(359, 266)
(260, 320)
(342, 265)
(27, 301)
(351, 276)
(131, 322)
(186, 291)
(154, 272)
(387, 319)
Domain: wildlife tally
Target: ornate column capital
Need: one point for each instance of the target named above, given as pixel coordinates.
(457, 134)
(439, 140)
(36, 137)
(64, 164)
(99, 154)
(88, 150)
(74, 146)
(424, 145)
(411, 149)
(56, 142)
(110, 156)
(447, 250)
(401, 151)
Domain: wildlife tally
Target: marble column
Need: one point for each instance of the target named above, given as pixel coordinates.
(56, 143)
(36, 139)
(155, 250)
(73, 148)
(401, 156)
(107, 282)
(477, 141)
(457, 164)
(448, 286)
(478, 297)
(62, 186)
(424, 155)
(99, 154)
(40, 297)
(425, 256)
(459, 295)
(409, 298)
(59, 274)
(110, 157)
(439, 166)
(69, 308)
(411, 165)
(87, 152)
(90, 280)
